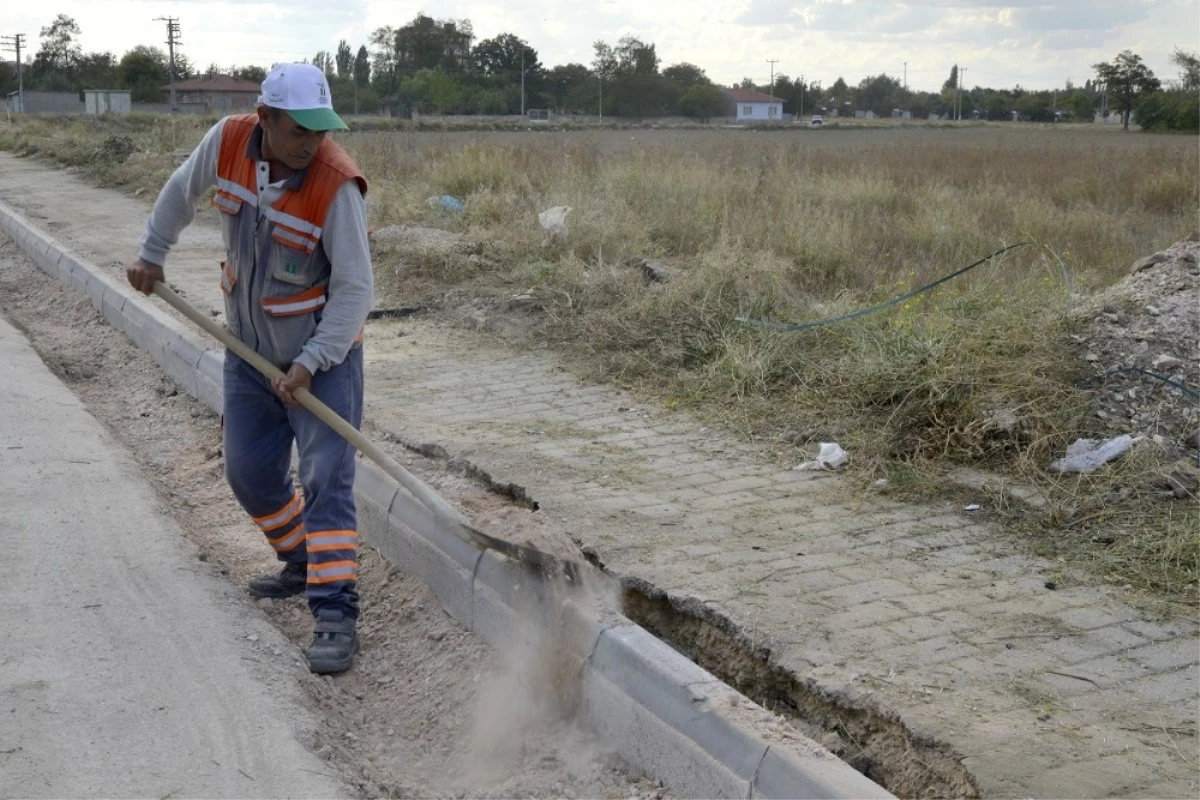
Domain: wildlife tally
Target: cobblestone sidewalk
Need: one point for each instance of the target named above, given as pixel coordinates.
(921, 613)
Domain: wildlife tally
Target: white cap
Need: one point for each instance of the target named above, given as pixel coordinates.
(303, 92)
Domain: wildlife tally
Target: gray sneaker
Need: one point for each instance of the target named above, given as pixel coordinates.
(333, 644)
(291, 580)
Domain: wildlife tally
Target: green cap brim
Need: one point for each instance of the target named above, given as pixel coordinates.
(318, 119)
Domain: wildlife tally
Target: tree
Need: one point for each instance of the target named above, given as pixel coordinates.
(249, 73)
(952, 82)
(362, 66)
(503, 55)
(632, 85)
(685, 75)
(344, 59)
(1189, 70)
(635, 56)
(54, 66)
(97, 71)
(384, 68)
(184, 68)
(702, 101)
(324, 62)
(1079, 103)
(604, 64)
(1125, 77)
(428, 43)
(565, 81)
(143, 70)
(445, 92)
(8, 79)
(879, 93)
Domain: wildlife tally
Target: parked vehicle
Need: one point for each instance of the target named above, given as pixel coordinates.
(816, 121)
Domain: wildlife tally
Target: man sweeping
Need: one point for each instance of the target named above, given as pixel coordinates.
(297, 284)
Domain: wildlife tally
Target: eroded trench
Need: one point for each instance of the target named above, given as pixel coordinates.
(871, 740)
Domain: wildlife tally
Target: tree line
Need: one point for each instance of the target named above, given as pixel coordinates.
(436, 66)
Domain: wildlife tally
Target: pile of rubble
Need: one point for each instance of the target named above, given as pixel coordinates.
(1142, 348)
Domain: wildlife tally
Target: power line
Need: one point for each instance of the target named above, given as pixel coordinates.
(172, 40)
(14, 42)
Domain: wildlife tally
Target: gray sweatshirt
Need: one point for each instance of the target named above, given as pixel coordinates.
(343, 241)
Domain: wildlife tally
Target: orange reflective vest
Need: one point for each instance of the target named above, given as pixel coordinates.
(297, 216)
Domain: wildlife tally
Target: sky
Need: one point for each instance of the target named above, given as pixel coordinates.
(999, 43)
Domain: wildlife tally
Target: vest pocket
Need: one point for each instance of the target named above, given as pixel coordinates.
(292, 320)
(293, 266)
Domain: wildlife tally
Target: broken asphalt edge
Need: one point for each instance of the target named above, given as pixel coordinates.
(665, 715)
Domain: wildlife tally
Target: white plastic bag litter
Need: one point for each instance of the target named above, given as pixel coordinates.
(830, 456)
(554, 221)
(1088, 455)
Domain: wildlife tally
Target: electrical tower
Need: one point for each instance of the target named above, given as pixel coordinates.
(14, 43)
(172, 40)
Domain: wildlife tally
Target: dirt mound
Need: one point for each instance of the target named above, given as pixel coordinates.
(1142, 348)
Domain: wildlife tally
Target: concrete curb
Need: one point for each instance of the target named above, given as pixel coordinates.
(668, 716)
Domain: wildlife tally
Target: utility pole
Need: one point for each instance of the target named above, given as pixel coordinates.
(522, 81)
(801, 94)
(772, 62)
(14, 42)
(600, 102)
(172, 40)
(906, 76)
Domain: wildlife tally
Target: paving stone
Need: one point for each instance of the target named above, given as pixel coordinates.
(1090, 617)
(1160, 631)
(1165, 656)
(1179, 686)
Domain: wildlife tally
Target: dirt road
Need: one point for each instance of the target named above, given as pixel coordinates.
(927, 645)
(126, 668)
(428, 711)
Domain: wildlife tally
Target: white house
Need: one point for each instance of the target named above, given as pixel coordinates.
(752, 106)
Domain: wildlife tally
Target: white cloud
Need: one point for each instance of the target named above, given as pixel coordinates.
(1037, 43)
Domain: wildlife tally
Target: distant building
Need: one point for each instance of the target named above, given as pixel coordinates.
(107, 101)
(748, 105)
(47, 103)
(220, 93)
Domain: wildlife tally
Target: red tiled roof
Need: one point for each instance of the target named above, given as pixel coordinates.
(217, 83)
(751, 96)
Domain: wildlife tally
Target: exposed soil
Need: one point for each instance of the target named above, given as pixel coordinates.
(876, 744)
(428, 710)
(1142, 343)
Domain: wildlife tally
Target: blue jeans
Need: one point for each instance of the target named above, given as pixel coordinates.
(318, 528)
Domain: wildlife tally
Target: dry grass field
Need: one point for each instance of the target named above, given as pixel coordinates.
(793, 226)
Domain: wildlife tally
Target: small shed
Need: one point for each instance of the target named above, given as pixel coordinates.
(107, 101)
